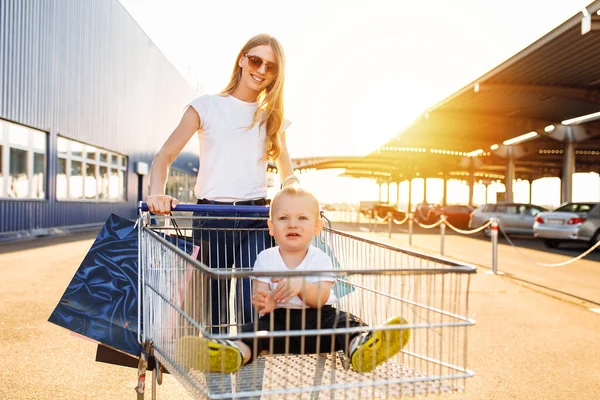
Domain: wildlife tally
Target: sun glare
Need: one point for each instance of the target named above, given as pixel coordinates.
(387, 68)
(330, 188)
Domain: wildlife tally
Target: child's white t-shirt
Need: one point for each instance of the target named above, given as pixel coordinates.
(232, 164)
(269, 260)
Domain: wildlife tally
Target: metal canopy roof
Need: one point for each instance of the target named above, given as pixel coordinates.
(554, 79)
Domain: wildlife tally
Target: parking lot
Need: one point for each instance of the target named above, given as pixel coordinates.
(528, 343)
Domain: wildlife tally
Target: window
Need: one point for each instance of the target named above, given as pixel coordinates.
(512, 209)
(61, 179)
(38, 180)
(523, 209)
(500, 208)
(76, 180)
(18, 178)
(22, 161)
(489, 208)
(91, 181)
(103, 180)
(181, 185)
(85, 172)
(575, 207)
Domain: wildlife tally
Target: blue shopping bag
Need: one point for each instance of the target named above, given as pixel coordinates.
(101, 301)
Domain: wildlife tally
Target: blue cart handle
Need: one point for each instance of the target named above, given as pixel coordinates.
(212, 208)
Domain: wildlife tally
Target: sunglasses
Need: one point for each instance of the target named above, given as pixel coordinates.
(255, 62)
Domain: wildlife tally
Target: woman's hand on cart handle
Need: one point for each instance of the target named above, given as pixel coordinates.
(161, 203)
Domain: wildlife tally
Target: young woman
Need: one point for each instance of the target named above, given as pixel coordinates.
(239, 130)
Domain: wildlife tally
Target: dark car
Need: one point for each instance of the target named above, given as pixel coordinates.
(421, 213)
(382, 211)
(457, 215)
(378, 209)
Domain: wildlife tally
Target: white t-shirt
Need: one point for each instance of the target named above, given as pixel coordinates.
(231, 155)
(316, 260)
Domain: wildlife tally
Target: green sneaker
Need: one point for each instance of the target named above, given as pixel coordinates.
(209, 355)
(374, 348)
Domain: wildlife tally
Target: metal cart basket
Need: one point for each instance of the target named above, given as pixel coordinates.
(178, 292)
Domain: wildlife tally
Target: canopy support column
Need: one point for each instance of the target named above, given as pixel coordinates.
(566, 181)
(444, 191)
(510, 176)
(409, 195)
(471, 181)
(530, 188)
(487, 186)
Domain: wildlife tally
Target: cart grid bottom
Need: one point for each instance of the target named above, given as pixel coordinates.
(314, 376)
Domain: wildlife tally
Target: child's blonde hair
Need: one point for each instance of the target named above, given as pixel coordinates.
(295, 191)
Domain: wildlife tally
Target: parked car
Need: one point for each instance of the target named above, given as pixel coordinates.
(421, 213)
(379, 209)
(568, 223)
(457, 215)
(513, 218)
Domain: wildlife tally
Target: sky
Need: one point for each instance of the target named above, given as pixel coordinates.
(357, 72)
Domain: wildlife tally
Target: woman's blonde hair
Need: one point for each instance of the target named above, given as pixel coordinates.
(270, 107)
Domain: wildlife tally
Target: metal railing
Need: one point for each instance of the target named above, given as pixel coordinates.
(492, 224)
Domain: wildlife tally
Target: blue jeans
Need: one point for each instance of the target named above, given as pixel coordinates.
(225, 243)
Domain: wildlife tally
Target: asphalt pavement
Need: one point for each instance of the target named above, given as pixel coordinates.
(529, 342)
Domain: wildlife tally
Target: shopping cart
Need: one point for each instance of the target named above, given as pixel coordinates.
(374, 281)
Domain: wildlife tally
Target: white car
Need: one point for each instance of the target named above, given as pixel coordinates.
(513, 218)
(569, 222)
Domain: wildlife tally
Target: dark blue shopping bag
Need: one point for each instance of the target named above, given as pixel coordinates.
(101, 302)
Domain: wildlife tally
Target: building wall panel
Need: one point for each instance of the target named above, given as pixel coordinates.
(85, 70)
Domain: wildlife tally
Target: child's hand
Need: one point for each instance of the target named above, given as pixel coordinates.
(264, 301)
(287, 288)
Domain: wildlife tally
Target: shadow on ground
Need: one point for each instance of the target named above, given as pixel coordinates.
(43, 241)
(527, 242)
